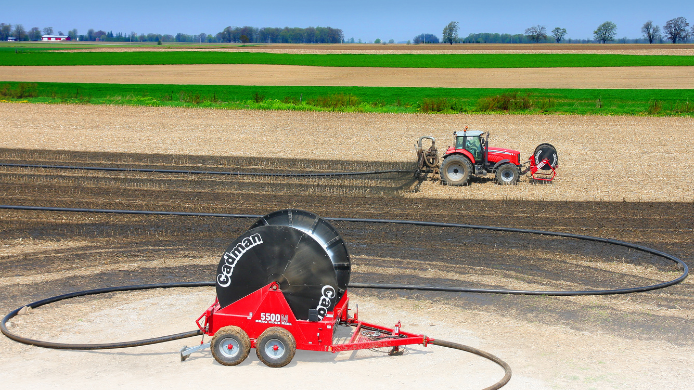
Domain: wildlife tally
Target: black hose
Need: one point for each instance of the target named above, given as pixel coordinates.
(193, 172)
(124, 344)
(682, 265)
(486, 355)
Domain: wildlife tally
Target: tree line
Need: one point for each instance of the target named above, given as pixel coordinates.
(230, 34)
(675, 30)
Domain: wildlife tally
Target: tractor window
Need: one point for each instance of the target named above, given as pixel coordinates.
(459, 142)
(473, 146)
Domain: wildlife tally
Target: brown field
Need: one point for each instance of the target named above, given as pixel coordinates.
(634, 159)
(651, 77)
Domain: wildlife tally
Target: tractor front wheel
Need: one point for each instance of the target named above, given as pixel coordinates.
(456, 170)
(275, 347)
(230, 346)
(507, 175)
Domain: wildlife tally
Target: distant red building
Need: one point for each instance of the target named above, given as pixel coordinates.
(55, 38)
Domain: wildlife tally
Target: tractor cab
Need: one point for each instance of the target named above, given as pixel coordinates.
(473, 142)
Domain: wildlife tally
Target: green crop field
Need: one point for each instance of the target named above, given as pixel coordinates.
(364, 99)
(10, 56)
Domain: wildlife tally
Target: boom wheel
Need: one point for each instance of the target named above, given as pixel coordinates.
(456, 170)
(230, 346)
(275, 347)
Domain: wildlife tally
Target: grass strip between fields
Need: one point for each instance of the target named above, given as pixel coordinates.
(656, 102)
(35, 57)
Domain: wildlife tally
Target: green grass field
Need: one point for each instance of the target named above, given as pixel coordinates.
(10, 56)
(363, 99)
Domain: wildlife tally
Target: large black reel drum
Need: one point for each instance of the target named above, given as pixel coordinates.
(548, 152)
(297, 249)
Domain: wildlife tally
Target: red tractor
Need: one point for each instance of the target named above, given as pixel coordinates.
(471, 155)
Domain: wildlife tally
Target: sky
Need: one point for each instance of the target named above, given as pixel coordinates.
(359, 19)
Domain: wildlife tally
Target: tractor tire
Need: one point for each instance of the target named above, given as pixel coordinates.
(275, 347)
(230, 346)
(456, 170)
(507, 175)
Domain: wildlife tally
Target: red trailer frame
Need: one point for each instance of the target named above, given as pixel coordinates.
(267, 307)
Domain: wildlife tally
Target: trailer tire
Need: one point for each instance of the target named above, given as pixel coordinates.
(507, 175)
(456, 170)
(275, 347)
(230, 346)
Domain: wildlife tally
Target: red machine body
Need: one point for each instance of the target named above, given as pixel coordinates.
(267, 307)
(282, 286)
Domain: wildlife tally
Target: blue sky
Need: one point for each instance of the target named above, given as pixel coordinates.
(360, 19)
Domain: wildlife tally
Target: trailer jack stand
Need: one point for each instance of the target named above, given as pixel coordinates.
(187, 351)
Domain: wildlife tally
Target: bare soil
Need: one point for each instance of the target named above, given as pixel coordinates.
(636, 341)
(601, 158)
(645, 77)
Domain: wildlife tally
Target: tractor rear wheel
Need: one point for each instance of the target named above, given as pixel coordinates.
(456, 170)
(230, 345)
(507, 174)
(275, 347)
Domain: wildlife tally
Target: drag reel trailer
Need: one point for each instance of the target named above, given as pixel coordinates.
(282, 286)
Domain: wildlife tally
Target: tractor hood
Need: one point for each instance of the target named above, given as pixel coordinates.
(498, 154)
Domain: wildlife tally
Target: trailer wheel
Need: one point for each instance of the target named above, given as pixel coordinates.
(230, 345)
(456, 170)
(507, 174)
(275, 347)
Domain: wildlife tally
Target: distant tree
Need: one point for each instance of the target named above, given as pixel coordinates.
(48, 31)
(34, 34)
(450, 33)
(605, 32)
(378, 40)
(676, 29)
(72, 34)
(536, 33)
(558, 34)
(100, 35)
(60, 33)
(20, 33)
(391, 41)
(202, 37)
(650, 31)
(5, 31)
(90, 34)
(425, 38)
